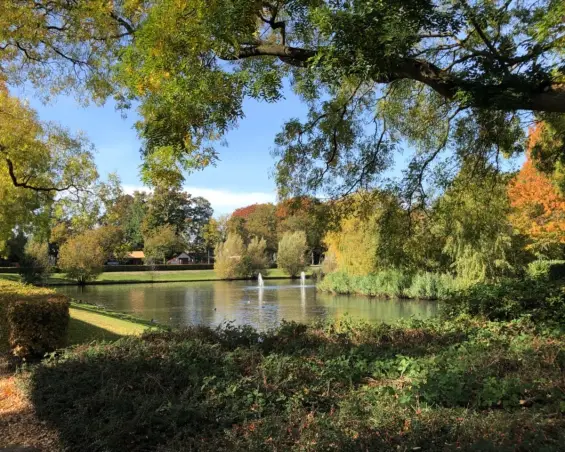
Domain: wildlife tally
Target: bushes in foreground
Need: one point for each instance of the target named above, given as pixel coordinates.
(391, 283)
(508, 300)
(33, 320)
(464, 385)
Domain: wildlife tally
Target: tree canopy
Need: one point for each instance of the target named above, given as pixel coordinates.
(449, 78)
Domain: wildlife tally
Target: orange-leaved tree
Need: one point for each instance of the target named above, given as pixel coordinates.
(538, 207)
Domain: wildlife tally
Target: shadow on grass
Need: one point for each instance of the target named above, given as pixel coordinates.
(298, 389)
(80, 332)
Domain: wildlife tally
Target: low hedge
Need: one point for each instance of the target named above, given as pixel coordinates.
(33, 321)
(147, 268)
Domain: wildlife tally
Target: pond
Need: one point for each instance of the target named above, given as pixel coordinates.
(213, 302)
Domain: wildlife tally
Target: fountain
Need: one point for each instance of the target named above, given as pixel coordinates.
(260, 280)
(302, 279)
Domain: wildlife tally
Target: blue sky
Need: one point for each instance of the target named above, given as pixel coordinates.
(241, 177)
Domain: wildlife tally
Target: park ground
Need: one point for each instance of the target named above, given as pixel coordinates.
(147, 277)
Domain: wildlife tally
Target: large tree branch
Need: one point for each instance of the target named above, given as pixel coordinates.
(25, 183)
(511, 94)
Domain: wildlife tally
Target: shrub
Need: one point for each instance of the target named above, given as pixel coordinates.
(291, 253)
(229, 263)
(391, 283)
(33, 321)
(82, 258)
(257, 256)
(507, 300)
(35, 265)
(546, 270)
(351, 386)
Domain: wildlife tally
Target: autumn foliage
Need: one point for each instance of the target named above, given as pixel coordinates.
(538, 207)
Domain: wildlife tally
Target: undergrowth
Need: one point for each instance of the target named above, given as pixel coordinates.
(439, 386)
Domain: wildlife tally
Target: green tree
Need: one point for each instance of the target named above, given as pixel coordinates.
(82, 258)
(292, 251)
(37, 161)
(200, 215)
(36, 263)
(162, 243)
(256, 256)
(441, 75)
(168, 206)
(262, 223)
(473, 216)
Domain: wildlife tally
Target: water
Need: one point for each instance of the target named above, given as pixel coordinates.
(302, 279)
(213, 302)
(260, 280)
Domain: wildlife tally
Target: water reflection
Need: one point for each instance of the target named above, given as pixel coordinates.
(211, 303)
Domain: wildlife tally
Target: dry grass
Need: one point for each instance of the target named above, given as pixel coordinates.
(19, 425)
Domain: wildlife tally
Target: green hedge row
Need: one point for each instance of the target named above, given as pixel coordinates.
(129, 268)
(33, 320)
(147, 268)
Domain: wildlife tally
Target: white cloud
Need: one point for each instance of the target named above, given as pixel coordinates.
(223, 201)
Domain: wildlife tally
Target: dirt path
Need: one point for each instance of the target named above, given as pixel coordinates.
(18, 424)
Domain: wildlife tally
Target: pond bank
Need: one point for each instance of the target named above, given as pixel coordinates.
(107, 278)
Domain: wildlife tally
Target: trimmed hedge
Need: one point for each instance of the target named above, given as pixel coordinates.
(147, 268)
(33, 320)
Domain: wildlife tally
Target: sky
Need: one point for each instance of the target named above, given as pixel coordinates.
(241, 177)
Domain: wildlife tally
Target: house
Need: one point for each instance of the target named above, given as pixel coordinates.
(181, 259)
(135, 258)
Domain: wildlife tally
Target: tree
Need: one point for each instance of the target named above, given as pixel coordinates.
(200, 215)
(308, 215)
(262, 223)
(36, 263)
(82, 258)
(473, 217)
(111, 240)
(256, 256)
(211, 236)
(162, 243)
(230, 262)
(37, 161)
(133, 223)
(168, 206)
(440, 75)
(292, 251)
(538, 210)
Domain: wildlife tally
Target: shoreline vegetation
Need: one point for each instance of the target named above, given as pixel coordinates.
(393, 284)
(142, 277)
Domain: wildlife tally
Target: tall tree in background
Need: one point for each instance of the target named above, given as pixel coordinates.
(200, 215)
(538, 207)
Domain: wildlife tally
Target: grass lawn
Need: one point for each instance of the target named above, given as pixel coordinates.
(86, 326)
(161, 276)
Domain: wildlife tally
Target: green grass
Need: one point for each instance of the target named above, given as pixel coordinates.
(138, 277)
(86, 326)
(430, 386)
